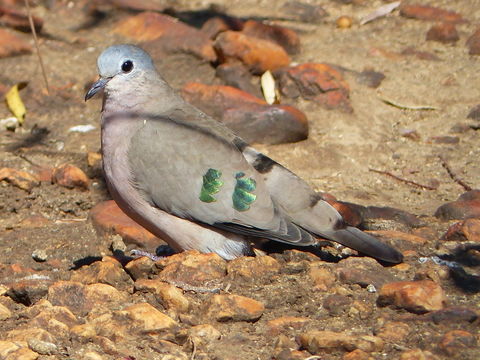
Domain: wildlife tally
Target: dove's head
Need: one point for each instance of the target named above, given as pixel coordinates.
(122, 63)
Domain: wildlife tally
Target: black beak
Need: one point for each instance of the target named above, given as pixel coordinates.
(96, 87)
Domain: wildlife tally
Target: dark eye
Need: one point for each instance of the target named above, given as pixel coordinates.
(127, 66)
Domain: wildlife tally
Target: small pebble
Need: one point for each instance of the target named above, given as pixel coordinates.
(39, 255)
(344, 22)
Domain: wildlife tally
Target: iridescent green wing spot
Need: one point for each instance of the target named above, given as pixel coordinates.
(211, 185)
(242, 194)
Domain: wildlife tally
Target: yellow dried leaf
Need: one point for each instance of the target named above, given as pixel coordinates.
(15, 103)
(268, 88)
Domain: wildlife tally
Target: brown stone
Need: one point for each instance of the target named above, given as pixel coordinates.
(305, 12)
(168, 295)
(148, 319)
(325, 341)
(321, 276)
(337, 304)
(465, 207)
(108, 218)
(18, 20)
(233, 308)
(7, 347)
(12, 45)
(22, 354)
(29, 333)
(456, 341)
(286, 323)
(5, 313)
(318, 82)
(444, 33)
(467, 230)
(417, 354)
(34, 221)
(70, 176)
(286, 38)
(56, 319)
(82, 299)
(415, 296)
(399, 239)
(473, 43)
(430, 13)
(419, 54)
(363, 271)
(105, 272)
(237, 76)
(21, 179)
(474, 112)
(192, 268)
(166, 34)
(394, 331)
(454, 314)
(444, 139)
(217, 24)
(273, 124)
(248, 116)
(259, 55)
(252, 268)
(28, 292)
(140, 267)
(204, 334)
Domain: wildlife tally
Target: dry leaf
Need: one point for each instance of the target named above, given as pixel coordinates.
(269, 89)
(15, 103)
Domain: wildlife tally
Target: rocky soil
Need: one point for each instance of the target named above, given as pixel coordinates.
(381, 117)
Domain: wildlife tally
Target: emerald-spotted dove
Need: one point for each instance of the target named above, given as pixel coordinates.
(191, 181)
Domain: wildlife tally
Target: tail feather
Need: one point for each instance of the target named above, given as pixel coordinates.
(364, 243)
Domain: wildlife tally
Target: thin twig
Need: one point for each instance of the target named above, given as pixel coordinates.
(427, 187)
(37, 47)
(452, 175)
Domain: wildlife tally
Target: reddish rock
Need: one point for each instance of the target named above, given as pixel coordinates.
(141, 267)
(105, 272)
(12, 45)
(320, 342)
(191, 268)
(283, 323)
(228, 307)
(394, 331)
(363, 271)
(465, 207)
(401, 240)
(34, 221)
(165, 34)
(168, 295)
(321, 276)
(286, 38)
(318, 82)
(337, 304)
(467, 230)
(473, 43)
(457, 341)
(82, 299)
(21, 179)
(28, 292)
(415, 296)
(444, 33)
(259, 55)
(237, 76)
(147, 319)
(430, 13)
(217, 24)
(107, 218)
(417, 354)
(18, 20)
(453, 314)
(248, 116)
(267, 124)
(70, 176)
(252, 268)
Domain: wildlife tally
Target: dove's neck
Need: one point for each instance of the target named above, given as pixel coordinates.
(147, 94)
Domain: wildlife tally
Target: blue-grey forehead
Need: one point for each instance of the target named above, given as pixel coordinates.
(110, 60)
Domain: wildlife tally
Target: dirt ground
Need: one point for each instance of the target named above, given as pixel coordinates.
(336, 157)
